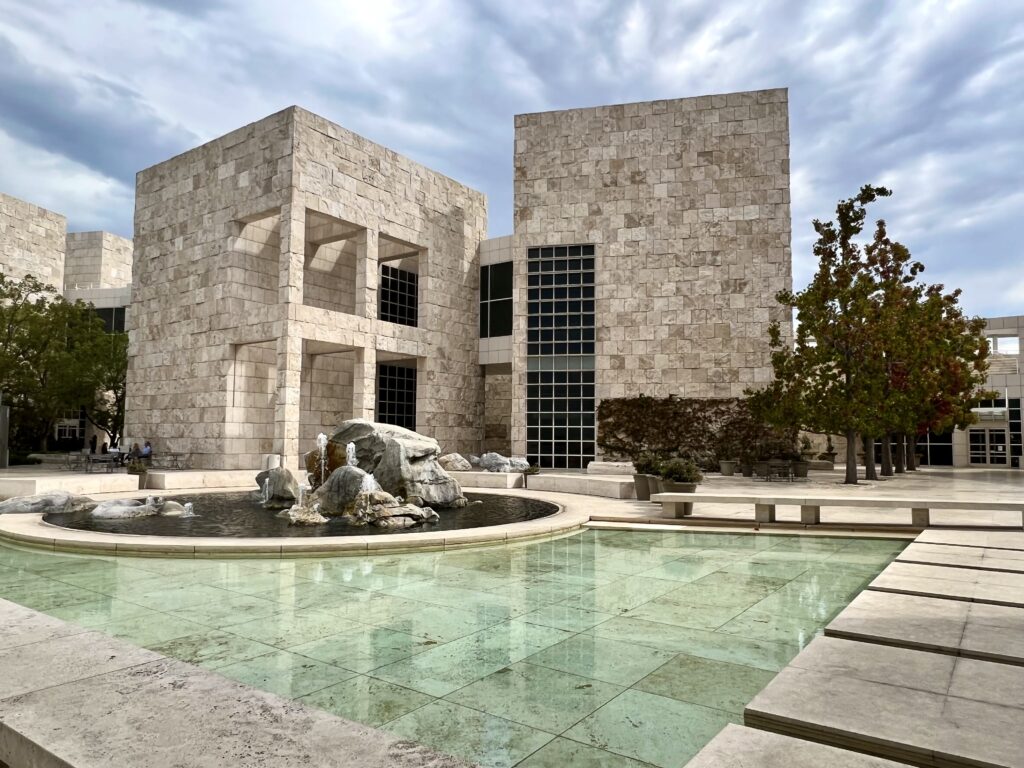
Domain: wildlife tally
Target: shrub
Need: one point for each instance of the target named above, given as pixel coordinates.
(646, 464)
(681, 471)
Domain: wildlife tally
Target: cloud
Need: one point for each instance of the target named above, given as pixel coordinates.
(925, 97)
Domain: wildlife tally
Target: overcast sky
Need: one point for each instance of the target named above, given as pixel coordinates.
(925, 97)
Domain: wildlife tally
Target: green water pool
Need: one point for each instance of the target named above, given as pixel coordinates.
(606, 648)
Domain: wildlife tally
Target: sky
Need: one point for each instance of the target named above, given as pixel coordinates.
(924, 97)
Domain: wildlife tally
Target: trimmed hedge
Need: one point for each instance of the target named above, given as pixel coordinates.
(703, 430)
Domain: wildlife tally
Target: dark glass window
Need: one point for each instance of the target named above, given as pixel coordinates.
(496, 300)
(396, 395)
(113, 319)
(398, 291)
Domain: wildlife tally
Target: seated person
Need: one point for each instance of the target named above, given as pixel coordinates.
(147, 451)
(104, 449)
(134, 454)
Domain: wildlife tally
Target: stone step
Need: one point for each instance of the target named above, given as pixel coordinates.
(167, 480)
(79, 483)
(483, 479)
(739, 747)
(614, 487)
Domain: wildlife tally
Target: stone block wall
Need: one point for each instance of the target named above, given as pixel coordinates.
(206, 280)
(238, 347)
(97, 260)
(32, 241)
(344, 176)
(687, 203)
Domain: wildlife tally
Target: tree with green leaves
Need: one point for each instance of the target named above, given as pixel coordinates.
(877, 353)
(52, 357)
(833, 376)
(106, 411)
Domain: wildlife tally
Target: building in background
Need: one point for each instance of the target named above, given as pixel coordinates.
(994, 442)
(94, 267)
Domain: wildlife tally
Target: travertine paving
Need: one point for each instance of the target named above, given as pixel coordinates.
(88, 700)
(919, 707)
(740, 747)
(622, 648)
(974, 630)
(982, 558)
(940, 680)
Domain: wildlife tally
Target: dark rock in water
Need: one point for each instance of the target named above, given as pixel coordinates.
(283, 488)
(59, 502)
(297, 515)
(403, 462)
(337, 495)
(336, 457)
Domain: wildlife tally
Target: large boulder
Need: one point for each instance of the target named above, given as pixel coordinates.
(279, 486)
(404, 463)
(370, 505)
(297, 515)
(46, 503)
(318, 470)
(454, 462)
(124, 509)
(495, 462)
(336, 496)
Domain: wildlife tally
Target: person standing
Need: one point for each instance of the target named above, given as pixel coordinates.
(92, 444)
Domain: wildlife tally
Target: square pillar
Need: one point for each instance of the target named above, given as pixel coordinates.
(293, 253)
(678, 509)
(364, 384)
(287, 411)
(367, 272)
(810, 514)
(764, 513)
(920, 517)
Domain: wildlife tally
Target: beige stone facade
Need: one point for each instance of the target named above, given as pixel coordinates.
(32, 241)
(97, 260)
(687, 204)
(255, 300)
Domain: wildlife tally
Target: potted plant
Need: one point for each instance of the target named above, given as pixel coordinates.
(727, 466)
(645, 469)
(680, 476)
(806, 448)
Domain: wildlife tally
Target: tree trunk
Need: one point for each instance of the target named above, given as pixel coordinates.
(901, 453)
(911, 453)
(851, 458)
(869, 459)
(887, 455)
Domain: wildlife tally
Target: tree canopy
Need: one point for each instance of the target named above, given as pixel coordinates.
(55, 357)
(876, 352)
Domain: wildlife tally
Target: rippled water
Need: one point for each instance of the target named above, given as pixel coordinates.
(242, 515)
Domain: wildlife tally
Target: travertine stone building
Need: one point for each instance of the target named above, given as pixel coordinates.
(97, 260)
(650, 241)
(291, 275)
(32, 241)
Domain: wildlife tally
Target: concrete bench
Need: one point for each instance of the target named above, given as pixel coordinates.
(680, 505)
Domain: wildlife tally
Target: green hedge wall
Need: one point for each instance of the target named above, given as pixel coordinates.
(700, 429)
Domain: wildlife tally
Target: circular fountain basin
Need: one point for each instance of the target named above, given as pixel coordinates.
(241, 515)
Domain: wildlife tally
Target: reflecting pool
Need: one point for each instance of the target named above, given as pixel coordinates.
(614, 647)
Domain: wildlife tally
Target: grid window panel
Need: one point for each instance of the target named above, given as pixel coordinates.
(399, 295)
(561, 427)
(396, 395)
(496, 300)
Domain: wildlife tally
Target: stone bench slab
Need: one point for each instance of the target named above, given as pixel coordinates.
(739, 747)
(489, 479)
(90, 701)
(959, 628)
(589, 485)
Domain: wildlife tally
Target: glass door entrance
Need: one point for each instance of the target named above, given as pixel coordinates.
(988, 446)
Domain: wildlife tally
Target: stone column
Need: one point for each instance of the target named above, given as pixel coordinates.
(367, 271)
(293, 253)
(287, 412)
(364, 384)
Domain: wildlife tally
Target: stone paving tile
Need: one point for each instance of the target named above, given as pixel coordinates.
(559, 753)
(543, 698)
(363, 648)
(714, 684)
(600, 658)
(483, 739)
(284, 673)
(21, 626)
(647, 727)
(212, 648)
(740, 747)
(367, 700)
